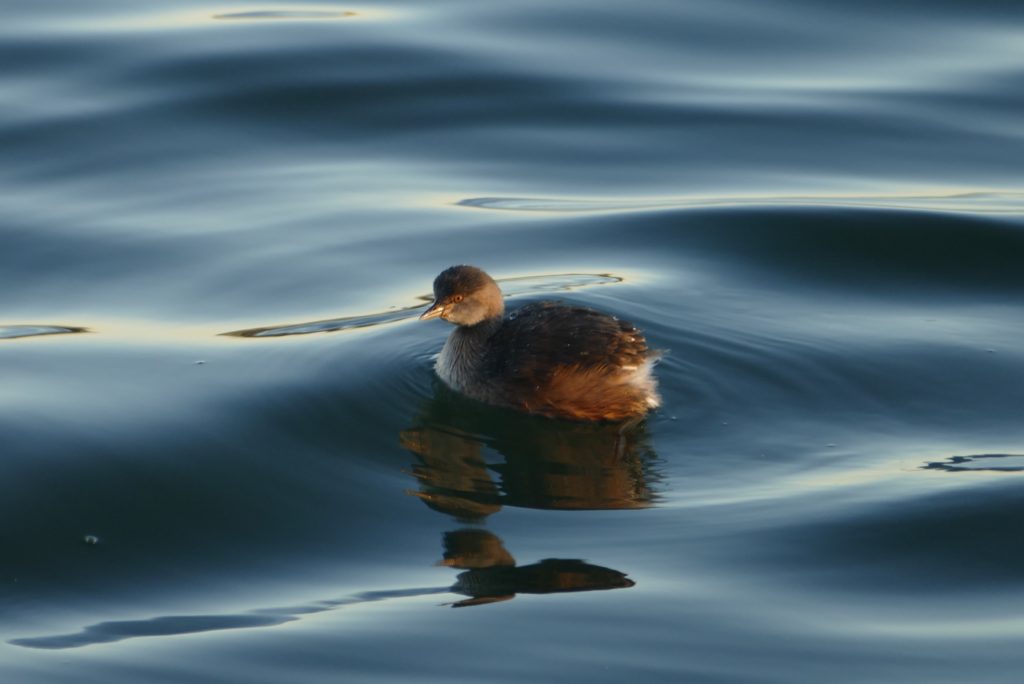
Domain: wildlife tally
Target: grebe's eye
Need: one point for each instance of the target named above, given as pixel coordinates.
(457, 298)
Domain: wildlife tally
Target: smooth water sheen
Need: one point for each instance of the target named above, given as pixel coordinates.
(224, 455)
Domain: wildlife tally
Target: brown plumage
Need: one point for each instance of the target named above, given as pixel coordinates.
(548, 358)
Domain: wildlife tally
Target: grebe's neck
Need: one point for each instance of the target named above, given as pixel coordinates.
(459, 363)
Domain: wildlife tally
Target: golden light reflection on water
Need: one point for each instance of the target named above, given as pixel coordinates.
(108, 330)
(284, 15)
(161, 20)
(161, 331)
(511, 287)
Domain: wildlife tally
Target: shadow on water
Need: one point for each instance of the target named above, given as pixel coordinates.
(1001, 463)
(10, 332)
(491, 576)
(170, 625)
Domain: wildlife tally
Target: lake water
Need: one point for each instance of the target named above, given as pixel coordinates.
(224, 455)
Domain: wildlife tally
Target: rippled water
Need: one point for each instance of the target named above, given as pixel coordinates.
(225, 455)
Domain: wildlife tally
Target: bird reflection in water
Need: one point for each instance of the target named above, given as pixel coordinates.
(473, 459)
(491, 573)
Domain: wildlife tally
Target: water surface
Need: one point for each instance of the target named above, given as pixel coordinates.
(225, 455)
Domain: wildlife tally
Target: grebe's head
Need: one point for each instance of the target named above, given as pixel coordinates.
(465, 295)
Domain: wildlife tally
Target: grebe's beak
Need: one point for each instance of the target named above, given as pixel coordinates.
(435, 310)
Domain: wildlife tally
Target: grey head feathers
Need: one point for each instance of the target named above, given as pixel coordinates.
(465, 295)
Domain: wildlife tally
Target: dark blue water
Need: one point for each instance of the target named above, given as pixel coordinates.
(224, 455)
